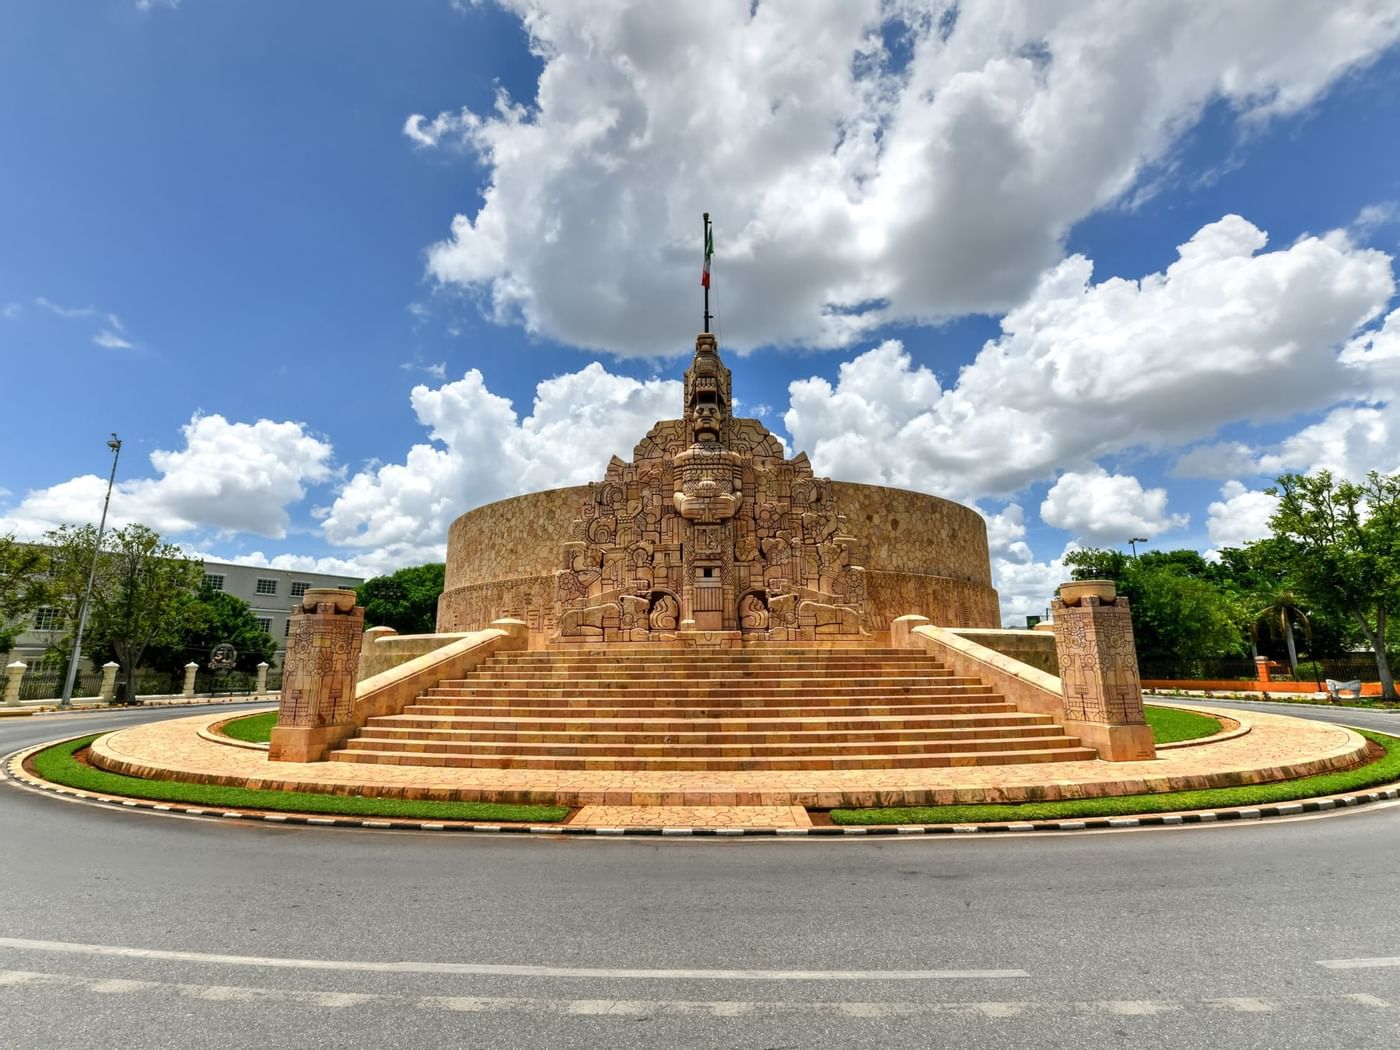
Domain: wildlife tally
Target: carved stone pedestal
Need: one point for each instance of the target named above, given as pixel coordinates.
(1099, 676)
(318, 681)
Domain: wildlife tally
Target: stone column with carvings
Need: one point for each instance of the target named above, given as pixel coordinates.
(14, 673)
(314, 715)
(1099, 671)
(108, 689)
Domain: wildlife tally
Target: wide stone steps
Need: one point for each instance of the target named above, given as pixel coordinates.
(773, 722)
(757, 708)
(388, 738)
(762, 748)
(849, 760)
(718, 707)
(993, 707)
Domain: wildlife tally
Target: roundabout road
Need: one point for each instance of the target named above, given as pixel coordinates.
(132, 929)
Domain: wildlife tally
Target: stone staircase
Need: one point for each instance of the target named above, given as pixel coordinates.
(759, 708)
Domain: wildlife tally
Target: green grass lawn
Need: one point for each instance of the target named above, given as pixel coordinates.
(1382, 771)
(1170, 725)
(255, 729)
(58, 765)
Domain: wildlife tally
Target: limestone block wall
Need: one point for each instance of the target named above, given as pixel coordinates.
(921, 554)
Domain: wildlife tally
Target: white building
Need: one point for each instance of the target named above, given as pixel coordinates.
(272, 593)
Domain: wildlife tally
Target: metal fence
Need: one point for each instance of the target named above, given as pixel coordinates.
(1353, 666)
(44, 681)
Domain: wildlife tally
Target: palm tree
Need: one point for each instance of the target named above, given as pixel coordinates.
(1281, 608)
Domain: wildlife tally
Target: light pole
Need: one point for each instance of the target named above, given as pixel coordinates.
(1135, 541)
(116, 446)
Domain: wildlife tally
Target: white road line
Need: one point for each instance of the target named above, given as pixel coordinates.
(12, 982)
(1359, 964)
(1364, 999)
(499, 970)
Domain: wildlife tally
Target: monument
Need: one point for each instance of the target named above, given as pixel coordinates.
(710, 534)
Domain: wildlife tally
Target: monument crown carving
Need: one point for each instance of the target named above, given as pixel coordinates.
(709, 528)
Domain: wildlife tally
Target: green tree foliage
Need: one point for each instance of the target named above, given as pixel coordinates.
(1341, 543)
(1181, 613)
(23, 587)
(142, 589)
(405, 600)
(212, 618)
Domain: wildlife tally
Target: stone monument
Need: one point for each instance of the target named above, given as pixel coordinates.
(710, 535)
(314, 714)
(1099, 671)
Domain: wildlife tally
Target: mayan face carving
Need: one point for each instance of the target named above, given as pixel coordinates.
(714, 529)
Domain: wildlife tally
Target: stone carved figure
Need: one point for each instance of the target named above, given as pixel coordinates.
(717, 528)
(753, 612)
(665, 612)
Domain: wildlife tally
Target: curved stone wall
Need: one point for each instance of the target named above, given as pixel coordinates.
(921, 554)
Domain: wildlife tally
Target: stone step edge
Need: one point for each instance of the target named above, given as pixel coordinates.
(12, 771)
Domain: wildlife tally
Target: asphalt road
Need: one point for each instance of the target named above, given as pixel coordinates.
(265, 936)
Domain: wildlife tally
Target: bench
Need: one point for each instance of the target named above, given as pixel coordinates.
(1343, 690)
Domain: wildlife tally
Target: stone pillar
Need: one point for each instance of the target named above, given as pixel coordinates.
(13, 673)
(191, 669)
(260, 686)
(1099, 671)
(318, 678)
(1261, 669)
(108, 689)
(367, 662)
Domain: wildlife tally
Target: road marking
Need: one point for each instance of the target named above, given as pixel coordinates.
(1367, 1000)
(1359, 964)
(1244, 1005)
(501, 970)
(14, 981)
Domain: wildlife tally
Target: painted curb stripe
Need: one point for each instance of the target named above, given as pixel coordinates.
(11, 769)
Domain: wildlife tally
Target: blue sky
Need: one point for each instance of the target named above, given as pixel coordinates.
(227, 233)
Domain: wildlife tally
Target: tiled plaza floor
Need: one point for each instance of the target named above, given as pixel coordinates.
(1275, 748)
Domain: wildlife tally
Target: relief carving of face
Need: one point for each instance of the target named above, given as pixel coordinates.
(707, 422)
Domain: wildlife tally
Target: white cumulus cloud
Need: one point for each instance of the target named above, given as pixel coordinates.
(1102, 508)
(229, 477)
(1240, 516)
(852, 184)
(1082, 370)
(480, 450)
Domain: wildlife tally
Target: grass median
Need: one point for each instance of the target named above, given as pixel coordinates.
(252, 729)
(1171, 725)
(1384, 770)
(58, 765)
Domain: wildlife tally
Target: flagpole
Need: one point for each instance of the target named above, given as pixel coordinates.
(705, 243)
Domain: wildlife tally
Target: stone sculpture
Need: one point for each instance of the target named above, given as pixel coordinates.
(709, 529)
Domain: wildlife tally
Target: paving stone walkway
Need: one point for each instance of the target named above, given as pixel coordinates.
(1276, 748)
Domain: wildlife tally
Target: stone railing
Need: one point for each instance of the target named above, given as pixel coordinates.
(1100, 703)
(328, 706)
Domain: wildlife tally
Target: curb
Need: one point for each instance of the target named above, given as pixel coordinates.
(11, 770)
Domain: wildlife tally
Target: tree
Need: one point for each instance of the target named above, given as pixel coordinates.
(1282, 607)
(213, 618)
(23, 586)
(1341, 542)
(405, 600)
(1180, 614)
(140, 594)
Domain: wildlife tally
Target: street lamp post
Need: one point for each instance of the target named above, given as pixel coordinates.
(116, 446)
(1135, 541)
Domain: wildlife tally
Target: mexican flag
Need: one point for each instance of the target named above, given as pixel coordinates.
(709, 251)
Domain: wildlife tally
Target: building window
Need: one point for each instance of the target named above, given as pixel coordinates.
(265, 622)
(265, 586)
(299, 588)
(286, 628)
(48, 619)
(214, 581)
